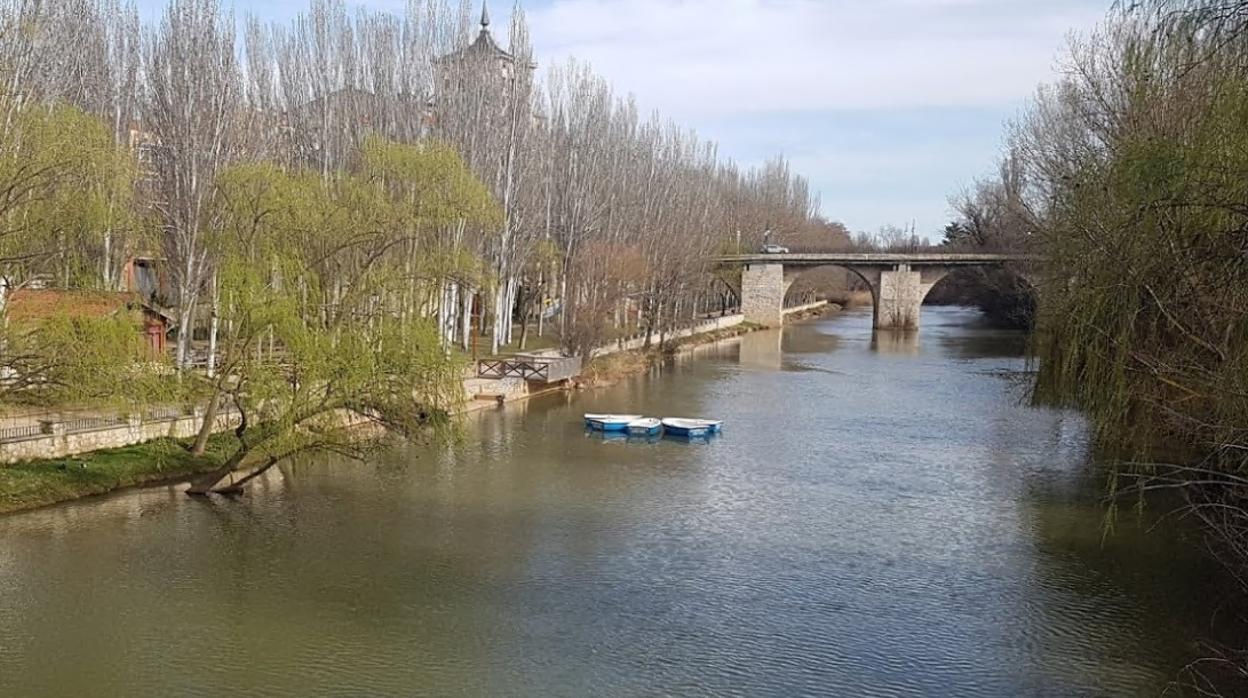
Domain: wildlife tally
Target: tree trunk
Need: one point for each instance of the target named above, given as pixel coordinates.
(186, 312)
(108, 253)
(206, 426)
(204, 484)
(466, 319)
(213, 326)
(541, 313)
(237, 487)
(524, 329)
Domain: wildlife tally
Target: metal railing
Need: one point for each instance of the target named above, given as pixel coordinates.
(21, 433)
(164, 414)
(93, 423)
(46, 424)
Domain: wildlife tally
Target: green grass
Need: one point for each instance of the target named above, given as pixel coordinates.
(535, 343)
(39, 483)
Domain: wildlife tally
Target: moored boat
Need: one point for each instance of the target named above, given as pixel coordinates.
(713, 426)
(610, 422)
(645, 427)
(686, 427)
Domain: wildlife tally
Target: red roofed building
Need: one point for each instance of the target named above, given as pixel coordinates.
(30, 306)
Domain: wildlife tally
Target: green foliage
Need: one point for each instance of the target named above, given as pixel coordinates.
(319, 283)
(1144, 315)
(63, 184)
(97, 361)
(429, 184)
(390, 370)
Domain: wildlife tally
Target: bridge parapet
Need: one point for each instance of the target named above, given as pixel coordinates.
(851, 259)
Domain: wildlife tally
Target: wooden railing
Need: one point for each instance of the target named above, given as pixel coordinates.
(530, 368)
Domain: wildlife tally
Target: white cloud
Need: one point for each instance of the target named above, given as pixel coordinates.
(760, 74)
(691, 57)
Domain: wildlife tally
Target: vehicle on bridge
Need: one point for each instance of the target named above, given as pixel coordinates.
(775, 249)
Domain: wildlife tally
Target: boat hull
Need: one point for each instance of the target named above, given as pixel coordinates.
(607, 425)
(609, 422)
(686, 427)
(712, 426)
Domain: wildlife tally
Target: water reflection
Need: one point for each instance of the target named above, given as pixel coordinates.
(903, 342)
(762, 349)
(872, 524)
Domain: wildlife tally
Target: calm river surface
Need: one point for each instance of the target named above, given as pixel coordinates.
(880, 519)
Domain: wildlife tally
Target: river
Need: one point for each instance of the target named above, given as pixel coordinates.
(881, 518)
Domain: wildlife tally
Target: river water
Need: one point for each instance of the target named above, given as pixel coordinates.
(882, 517)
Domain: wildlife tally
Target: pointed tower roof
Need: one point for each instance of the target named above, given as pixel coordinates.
(484, 45)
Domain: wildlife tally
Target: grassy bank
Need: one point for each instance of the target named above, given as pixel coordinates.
(40, 483)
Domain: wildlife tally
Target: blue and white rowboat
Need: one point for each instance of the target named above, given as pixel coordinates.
(610, 422)
(645, 427)
(686, 427)
(713, 426)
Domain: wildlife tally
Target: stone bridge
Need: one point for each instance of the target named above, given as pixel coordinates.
(898, 281)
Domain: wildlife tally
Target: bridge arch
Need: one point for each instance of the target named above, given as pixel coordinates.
(794, 274)
(898, 282)
(1008, 293)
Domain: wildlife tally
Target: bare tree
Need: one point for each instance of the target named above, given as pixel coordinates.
(193, 91)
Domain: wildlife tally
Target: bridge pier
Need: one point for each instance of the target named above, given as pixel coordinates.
(762, 294)
(899, 294)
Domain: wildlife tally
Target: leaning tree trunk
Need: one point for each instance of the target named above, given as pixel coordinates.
(208, 426)
(205, 484)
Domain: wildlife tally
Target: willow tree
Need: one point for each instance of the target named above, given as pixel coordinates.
(1135, 168)
(320, 332)
(62, 357)
(64, 185)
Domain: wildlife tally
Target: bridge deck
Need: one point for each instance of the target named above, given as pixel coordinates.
(874, 259)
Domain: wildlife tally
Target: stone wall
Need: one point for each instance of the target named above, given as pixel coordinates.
(804, 308)
(900, 300)
(762, 294)
(57, 442)
(719, 323)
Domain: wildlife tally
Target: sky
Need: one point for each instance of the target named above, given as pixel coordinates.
(888, 107)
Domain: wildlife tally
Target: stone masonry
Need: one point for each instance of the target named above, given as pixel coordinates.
(762, 294)
(55, 442)
(898, 281)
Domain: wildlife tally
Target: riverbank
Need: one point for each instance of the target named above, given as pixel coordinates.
(41, 483)
(609, 369)
(577, 538)
(38, 483)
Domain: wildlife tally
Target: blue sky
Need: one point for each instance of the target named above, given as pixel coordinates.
(888, 106)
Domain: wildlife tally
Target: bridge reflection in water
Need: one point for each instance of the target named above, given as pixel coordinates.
(902, 342)
(762, 349)
(767, 349)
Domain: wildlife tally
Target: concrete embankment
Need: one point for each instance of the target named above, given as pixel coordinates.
(626, 356)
